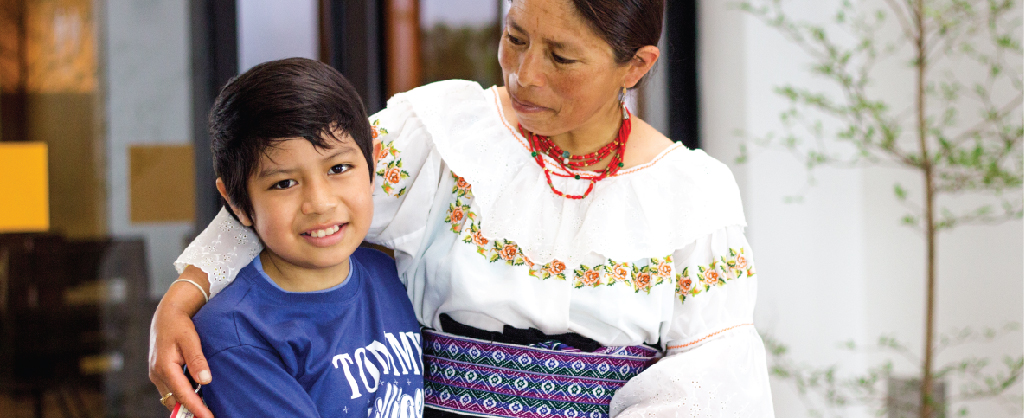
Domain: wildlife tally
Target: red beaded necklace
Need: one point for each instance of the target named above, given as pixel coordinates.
(616, 149)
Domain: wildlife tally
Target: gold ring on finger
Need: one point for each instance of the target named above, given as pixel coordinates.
(166, 397)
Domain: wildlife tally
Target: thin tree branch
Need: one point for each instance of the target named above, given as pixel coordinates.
(904, 21)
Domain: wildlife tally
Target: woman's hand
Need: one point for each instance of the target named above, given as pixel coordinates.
(173, 342)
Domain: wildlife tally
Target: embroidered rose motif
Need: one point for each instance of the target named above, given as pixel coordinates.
(643, 281)
(382, 152)
(376, 129)
(457, 215)
(508, 253)
(462, 188)
(684, 285)
(591, 277)
(391, 172)
(393, 175)
(741, 262)
(619, 272)
(557, 267)
(664, 270)
(711, 276)
(479, 239)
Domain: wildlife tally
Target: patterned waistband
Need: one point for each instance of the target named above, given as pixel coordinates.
(478, 377)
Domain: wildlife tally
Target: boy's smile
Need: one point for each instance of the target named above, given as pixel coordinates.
(326, 236)
(311, 208)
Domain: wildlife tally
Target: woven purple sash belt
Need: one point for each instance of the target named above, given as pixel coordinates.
(478, 377)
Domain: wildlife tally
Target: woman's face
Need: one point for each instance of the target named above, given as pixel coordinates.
(560, 75)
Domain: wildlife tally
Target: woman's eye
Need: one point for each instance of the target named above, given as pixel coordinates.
(561, 60)
(514, 40)
(283, 184)
(340, 168)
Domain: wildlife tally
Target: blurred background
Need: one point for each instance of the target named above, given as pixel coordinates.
(104, 148)
(107, 177)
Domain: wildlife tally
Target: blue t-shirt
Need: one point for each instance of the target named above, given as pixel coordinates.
(352, 350)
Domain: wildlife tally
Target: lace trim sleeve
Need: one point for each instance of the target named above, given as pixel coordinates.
(716, 365)
(221, 250)
(726, 377)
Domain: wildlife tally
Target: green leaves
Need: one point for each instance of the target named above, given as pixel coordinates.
(832, 388)
(900, 192)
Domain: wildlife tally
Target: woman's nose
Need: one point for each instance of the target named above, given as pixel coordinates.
(318, 199)
(531, 73)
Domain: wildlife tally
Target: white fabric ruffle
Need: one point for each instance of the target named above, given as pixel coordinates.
(724, 379)
(221, 251)
(626, 217)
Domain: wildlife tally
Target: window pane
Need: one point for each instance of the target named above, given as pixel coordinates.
(459, 40)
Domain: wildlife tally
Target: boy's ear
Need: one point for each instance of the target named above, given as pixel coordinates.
(242, 216)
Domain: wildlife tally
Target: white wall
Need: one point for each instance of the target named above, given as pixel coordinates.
(276, 29)
(147, 85)
(147, 94)
(839, 266)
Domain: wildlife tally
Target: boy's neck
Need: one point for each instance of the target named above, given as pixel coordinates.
(293, 278)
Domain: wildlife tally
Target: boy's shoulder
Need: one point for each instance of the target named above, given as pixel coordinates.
(215, 322)
(380, 268)
(374, 259)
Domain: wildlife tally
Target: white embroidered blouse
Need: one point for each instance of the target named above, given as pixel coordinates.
(654, 254)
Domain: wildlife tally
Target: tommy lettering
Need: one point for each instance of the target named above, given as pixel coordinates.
(405, 347)
(407, 358)
(345, 361)
(380, 351)
(365, 364)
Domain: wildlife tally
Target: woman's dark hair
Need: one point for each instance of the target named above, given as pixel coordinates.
(626, 25)
(276, 101)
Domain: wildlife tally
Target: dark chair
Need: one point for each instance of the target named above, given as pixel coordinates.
(74, 319)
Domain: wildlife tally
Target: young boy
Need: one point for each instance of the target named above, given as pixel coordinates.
(314, 325)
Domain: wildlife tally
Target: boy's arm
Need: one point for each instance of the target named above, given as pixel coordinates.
(253, 382)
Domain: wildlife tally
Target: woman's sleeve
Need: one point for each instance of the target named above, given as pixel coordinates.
(221, 250)
(715, 362)
(407, 176)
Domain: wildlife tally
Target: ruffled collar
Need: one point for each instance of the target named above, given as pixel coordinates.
(647, 211)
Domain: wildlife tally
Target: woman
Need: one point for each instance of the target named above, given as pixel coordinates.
(547, 236)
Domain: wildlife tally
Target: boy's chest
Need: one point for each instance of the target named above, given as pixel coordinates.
(359, 363)
(380, 375)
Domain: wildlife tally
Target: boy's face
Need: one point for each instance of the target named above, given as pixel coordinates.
(312, 208)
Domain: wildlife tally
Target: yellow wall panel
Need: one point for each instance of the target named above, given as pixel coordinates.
(24, 203)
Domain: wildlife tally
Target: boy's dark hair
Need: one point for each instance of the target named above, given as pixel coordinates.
(275, 100)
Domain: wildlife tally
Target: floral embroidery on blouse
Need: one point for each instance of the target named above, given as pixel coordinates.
(377, 130)
(504, 250)
(390, 169)
(475, 237)
(586, 276)
(643, 278)
(728, 267)
(639, 277)
(553, 270)
(457, 214)
(461, 188)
